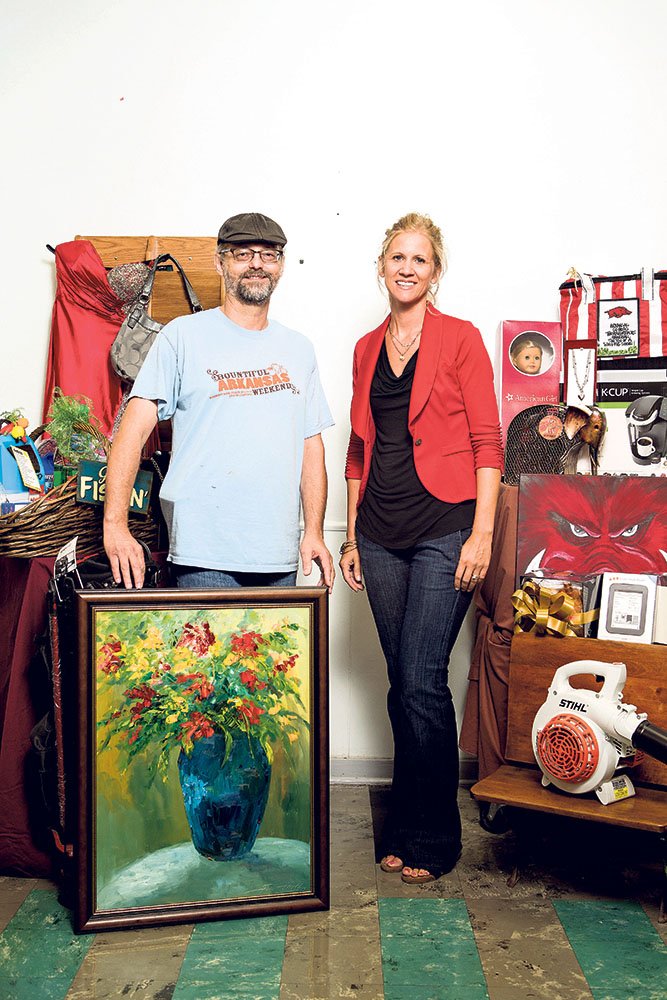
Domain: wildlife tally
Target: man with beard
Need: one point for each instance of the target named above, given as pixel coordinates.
(247, 407)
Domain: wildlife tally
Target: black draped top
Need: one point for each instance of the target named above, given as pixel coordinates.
(396, 510)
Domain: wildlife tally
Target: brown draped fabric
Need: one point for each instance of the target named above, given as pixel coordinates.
(484, 727)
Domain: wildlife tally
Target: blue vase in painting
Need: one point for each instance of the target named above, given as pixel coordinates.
(225, 799)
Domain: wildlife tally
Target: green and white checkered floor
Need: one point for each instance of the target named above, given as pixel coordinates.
(581, 922)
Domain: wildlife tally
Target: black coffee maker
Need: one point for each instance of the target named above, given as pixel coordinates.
(647, 428)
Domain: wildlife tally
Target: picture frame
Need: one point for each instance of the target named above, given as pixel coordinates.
(591, 524)
(202, 755)
(580, 372)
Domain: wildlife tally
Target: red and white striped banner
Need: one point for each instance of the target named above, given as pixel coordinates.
(639, 298)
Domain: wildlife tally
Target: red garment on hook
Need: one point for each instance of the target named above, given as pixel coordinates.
(86, 317)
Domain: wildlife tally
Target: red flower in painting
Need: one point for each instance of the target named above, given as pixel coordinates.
(198, 638)
(201, 687)
(134, 736)
(196, 727)
(246, 643)
(249, 678)
(285, 665)
(206, 689)
(109, 661)
(247, 710)
(143, 698)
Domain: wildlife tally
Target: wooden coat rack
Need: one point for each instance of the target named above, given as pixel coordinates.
(194, 254)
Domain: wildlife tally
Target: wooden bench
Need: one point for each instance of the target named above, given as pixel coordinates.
(533, 662)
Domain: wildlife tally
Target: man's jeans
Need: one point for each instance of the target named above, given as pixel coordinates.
(193, 578)
(418, 615)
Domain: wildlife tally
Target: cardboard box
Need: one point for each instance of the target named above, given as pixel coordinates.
(660, 618)
(636, 438)
(528, 368)
(627, 607)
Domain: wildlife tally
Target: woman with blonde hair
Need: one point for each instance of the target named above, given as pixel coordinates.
(423, 472)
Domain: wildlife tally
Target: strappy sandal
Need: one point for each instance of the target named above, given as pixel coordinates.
(418, 879)
(429, 876)
(393, 868)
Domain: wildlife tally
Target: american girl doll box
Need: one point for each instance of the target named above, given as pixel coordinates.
(529, 369)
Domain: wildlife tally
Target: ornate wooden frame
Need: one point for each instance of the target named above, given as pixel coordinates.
(104, 788)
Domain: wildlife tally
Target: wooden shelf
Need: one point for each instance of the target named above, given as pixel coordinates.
(522, 787)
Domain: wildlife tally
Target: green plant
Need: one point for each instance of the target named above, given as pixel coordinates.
(171, 683)
(74, 429)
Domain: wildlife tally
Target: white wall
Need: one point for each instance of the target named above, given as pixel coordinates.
(534, 133)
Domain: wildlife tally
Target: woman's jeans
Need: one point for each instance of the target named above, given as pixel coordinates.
(418, 615)
(193, 578)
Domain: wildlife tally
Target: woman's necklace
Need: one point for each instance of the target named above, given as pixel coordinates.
(581, 384)
(401, 348)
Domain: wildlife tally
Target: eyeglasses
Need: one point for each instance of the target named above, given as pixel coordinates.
(244, 255)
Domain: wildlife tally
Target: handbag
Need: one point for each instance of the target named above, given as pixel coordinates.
(139, 330)
(626, 315)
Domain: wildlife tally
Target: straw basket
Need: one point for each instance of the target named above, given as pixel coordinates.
(45, 525)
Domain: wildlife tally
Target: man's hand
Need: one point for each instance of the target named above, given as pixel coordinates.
(312, 550)
(128, 562)
(125, 553)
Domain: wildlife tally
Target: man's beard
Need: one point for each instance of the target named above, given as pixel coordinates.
(252, 293)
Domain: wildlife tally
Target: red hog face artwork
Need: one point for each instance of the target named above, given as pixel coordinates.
(618, 311)
(590, 524)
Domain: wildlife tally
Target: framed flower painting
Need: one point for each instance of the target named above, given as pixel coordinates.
(202, 756)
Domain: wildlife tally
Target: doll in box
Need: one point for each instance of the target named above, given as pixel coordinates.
(526, 355)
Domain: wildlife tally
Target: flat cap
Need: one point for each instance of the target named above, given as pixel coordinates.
(251, 227)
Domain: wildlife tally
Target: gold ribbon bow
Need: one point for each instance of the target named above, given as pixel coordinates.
(543, 613)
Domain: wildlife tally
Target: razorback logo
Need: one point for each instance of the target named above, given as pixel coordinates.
(618, 311)
(594, 524)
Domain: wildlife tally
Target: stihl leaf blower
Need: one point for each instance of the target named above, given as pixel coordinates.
(581, 737)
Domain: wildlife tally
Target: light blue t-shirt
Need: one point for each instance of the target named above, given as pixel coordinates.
(242, 403)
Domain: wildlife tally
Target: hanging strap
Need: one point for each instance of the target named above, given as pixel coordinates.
(647, 283)
(142, 300)
(588, 287)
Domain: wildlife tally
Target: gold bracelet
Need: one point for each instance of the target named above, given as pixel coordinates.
(347, 546)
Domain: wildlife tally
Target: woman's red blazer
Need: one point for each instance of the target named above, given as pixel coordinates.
(453, 414)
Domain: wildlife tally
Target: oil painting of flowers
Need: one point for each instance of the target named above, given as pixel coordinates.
(204, 752)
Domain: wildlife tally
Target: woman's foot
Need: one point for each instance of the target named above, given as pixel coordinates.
(417, 876)
(392, 864)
